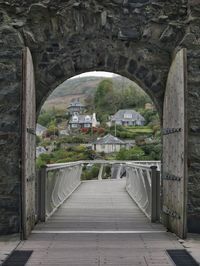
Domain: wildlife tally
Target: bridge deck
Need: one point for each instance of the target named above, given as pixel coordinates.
(99, 225)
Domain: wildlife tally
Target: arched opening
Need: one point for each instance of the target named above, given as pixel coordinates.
(118, 106)
(99, 121)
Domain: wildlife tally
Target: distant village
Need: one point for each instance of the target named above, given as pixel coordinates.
(79, 122)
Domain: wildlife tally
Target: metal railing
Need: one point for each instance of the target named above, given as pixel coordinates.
(57, 182)
(143, 185)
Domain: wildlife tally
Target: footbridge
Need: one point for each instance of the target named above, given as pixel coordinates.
(113, 221)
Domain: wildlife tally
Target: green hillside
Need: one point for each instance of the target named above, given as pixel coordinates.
(82, 88)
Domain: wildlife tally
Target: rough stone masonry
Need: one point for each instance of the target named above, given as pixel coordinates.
(134, 38)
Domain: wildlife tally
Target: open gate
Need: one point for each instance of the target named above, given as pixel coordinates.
(175, 148)
(28, 145)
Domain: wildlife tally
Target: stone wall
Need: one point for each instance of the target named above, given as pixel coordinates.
(192, 44)
(10, 154)
(135, 38)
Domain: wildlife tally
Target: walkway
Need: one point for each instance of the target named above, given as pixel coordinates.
(99, 225)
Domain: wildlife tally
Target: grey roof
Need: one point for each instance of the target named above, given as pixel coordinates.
(109, 139)
(81, 119)
(119, 116)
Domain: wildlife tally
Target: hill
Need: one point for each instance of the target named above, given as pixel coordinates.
(81, 88)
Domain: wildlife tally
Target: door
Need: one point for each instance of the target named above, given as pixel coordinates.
(175, 147)
(28, 145)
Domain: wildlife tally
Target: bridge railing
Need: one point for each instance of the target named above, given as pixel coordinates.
(143, 185)
(55, 184)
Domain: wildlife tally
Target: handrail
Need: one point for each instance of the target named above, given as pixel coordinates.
(59, 165)
(143, 185)
(58, 181)
(55, 186)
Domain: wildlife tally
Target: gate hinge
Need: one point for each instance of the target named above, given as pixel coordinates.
(171, 213)
(167, 131)
(31, 130)
(167, 176)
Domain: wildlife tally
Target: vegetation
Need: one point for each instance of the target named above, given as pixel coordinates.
(130, 132)
(51, 117)
(64, 155)
(146, 152)
(108, 100)
(105, 99)
(91, 172)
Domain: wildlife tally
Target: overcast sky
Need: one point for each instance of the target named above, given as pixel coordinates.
(96, 74)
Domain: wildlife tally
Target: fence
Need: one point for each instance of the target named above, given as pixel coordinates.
(55, 184)
(143, 185)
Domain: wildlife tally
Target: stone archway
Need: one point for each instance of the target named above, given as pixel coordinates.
(136, 39)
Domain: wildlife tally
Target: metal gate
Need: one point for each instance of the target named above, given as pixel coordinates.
(28, 145)
(175, 147)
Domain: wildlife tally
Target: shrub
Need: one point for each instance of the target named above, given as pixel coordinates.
(90, 174)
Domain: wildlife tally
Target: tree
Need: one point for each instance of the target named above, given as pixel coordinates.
(106, 100)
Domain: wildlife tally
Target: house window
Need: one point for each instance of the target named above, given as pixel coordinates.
(87, 125)
(129, 116)
(75, 119)
(87, 118)
(74, 125)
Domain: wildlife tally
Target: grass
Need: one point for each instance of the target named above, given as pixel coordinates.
(143, 129)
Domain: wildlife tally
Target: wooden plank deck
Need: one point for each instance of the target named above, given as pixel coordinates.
(100, 225)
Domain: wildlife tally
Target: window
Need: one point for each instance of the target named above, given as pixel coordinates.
(87, 118)
(87, 125)
(75, 118)
(127, 115)
(74, 125)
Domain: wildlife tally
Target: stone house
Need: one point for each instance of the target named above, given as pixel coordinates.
(76, 108)
(108, 144)
(83, 121)
(127, 118)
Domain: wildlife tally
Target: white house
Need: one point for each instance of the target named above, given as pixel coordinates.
(83, 121)
(108, 144)
(128, 118)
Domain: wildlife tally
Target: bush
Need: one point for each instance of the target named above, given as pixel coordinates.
(136, 153)
(89, 174)
(152, 150)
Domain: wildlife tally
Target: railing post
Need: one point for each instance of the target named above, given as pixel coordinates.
(158, 200)
(155, 194)
(42, 194)
(100, 172)
(119, 171)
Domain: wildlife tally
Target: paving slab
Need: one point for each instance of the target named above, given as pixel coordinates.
(7, 245)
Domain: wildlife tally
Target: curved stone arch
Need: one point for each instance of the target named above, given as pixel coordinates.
(152, 84)
(67, 39)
